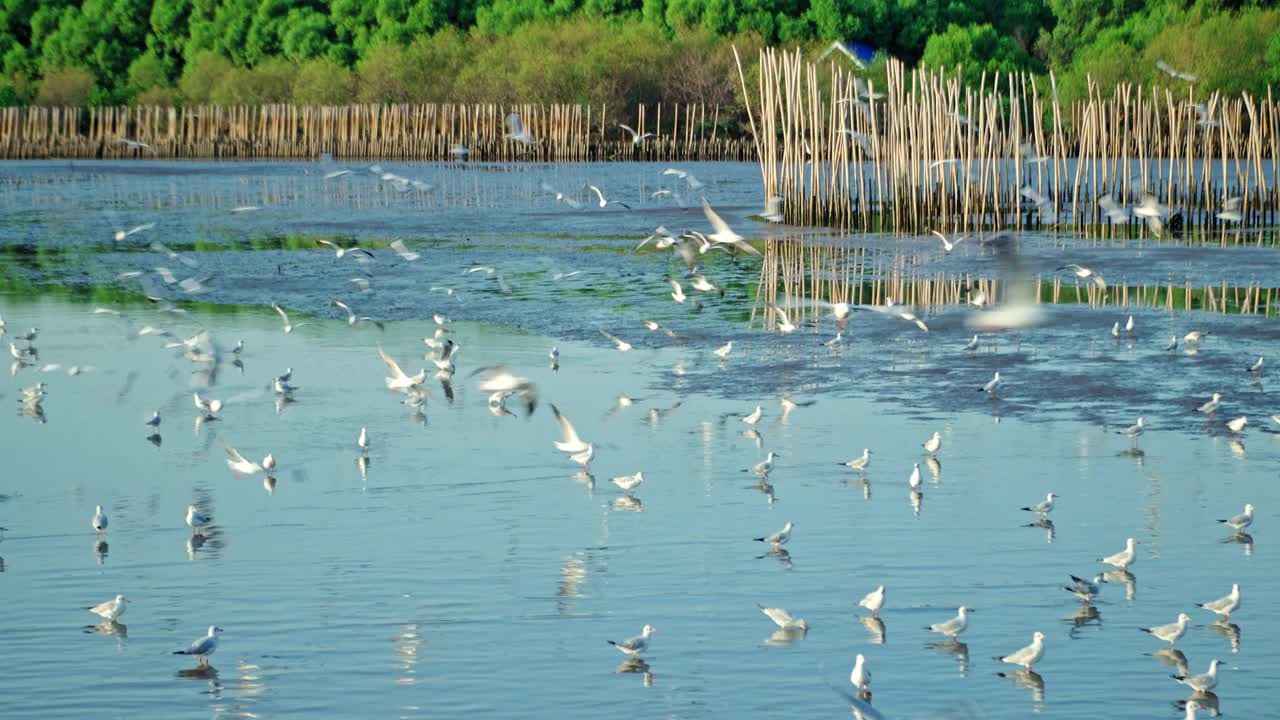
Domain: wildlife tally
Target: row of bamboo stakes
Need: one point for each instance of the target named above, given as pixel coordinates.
(562, 132)
(931, 152)
(804, 279)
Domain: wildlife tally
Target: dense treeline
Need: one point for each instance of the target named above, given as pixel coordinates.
(619, 52)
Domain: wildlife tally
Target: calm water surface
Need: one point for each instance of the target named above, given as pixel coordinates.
(470, 571)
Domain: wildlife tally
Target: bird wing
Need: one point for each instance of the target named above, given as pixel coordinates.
(778, 615)
(515, 125)
(717, 222)
(615, 339)
(634, 134)
(342, 305)
(103, 609)
(391, 364)
(597, 192)
(234, 454)
(281, 311)
(201, 646)
(567, 432)
(329, 243)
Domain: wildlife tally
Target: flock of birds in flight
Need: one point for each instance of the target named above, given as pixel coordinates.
(502, 385)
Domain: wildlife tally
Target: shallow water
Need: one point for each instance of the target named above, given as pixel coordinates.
(470, 571)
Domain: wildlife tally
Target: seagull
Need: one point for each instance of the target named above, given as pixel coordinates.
(836, 341)
(203, 647)
(783, 618)
(1044, 507)
(873, 601)
(1128, 325)
(584, 458)
(636, 645)
(972, 344)
(1224, 606)
(1168, 70)
(1204, 118)
(195, 518)
(693, 182)
(1173, 344)
(207, 408)
(1231, 210)
(1172, 632)
(460, 151)
(1212, 405)
(155, 419)
(1135, 430)
(948, 245)
(122, 234)
(772, 209)
(677, 292)
(398, 379)
(619, 343)
(403, 251)
(723, 351)
(992, 384)
(754, 417)
(1027, 656)
(1194, 337)
(785, 327)
(339, 251)
(1114, 211)
(914, 481)
(1201, 683)
(724, 235)
(516, 130)
(953, 627)
(605, 203)
(362, 441)
(561, 197)
(660, 237)
(859, 463)
(1242, 521)
(1124, 558)
(1084, 273)
(242, 466)
(636, 138)
(628, 482)
(1086, 590)
(933, 444)
(111, 609)
(1237, 424)
(701, 284)
(765, 466)
(352, 320)
(569, 442)
(288, 327)
(779, 538)
(500, 380)
(860, 677)
(334, 174)
(1256, 368)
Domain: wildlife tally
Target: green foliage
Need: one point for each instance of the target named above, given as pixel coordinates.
(65, 86)
(977, 49)
(616, 51)
(322, 81)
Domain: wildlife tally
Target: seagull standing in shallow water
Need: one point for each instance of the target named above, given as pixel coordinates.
(873, 601)
(1201, 683)
(783, 618)
(1028, 656)
(203, 647)
(99, 519)
(859, 463)
(1044, 507)
(992, 385)
(636, 645)
(1171, 632)
(1224, 606)
(112, 609)
(780, 538)
(196, 519)
(1124, 558)
(953, 627)
(1241, 521)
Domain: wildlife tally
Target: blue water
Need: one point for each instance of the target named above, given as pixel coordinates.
(471, 571)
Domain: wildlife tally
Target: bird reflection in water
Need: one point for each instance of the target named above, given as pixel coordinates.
(111, 628)
(1125, 577)
(573, 573)
(786, 637)
(638, 666)
(100, 550)
(781, 553)
(1084, 616)
(1228, 630)
(1045, 524)
(765, 489)
(1027, 680)
(627, 503)
(935, 468)
(1204, 701)
(155, 439)
(875, 629)
(917, 499)
(956, 649)
(754, 436)
(1173, 658)
(1242, 538)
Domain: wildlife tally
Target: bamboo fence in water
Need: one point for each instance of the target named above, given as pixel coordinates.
(803, 279)
(388, 132)
(929, 152)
